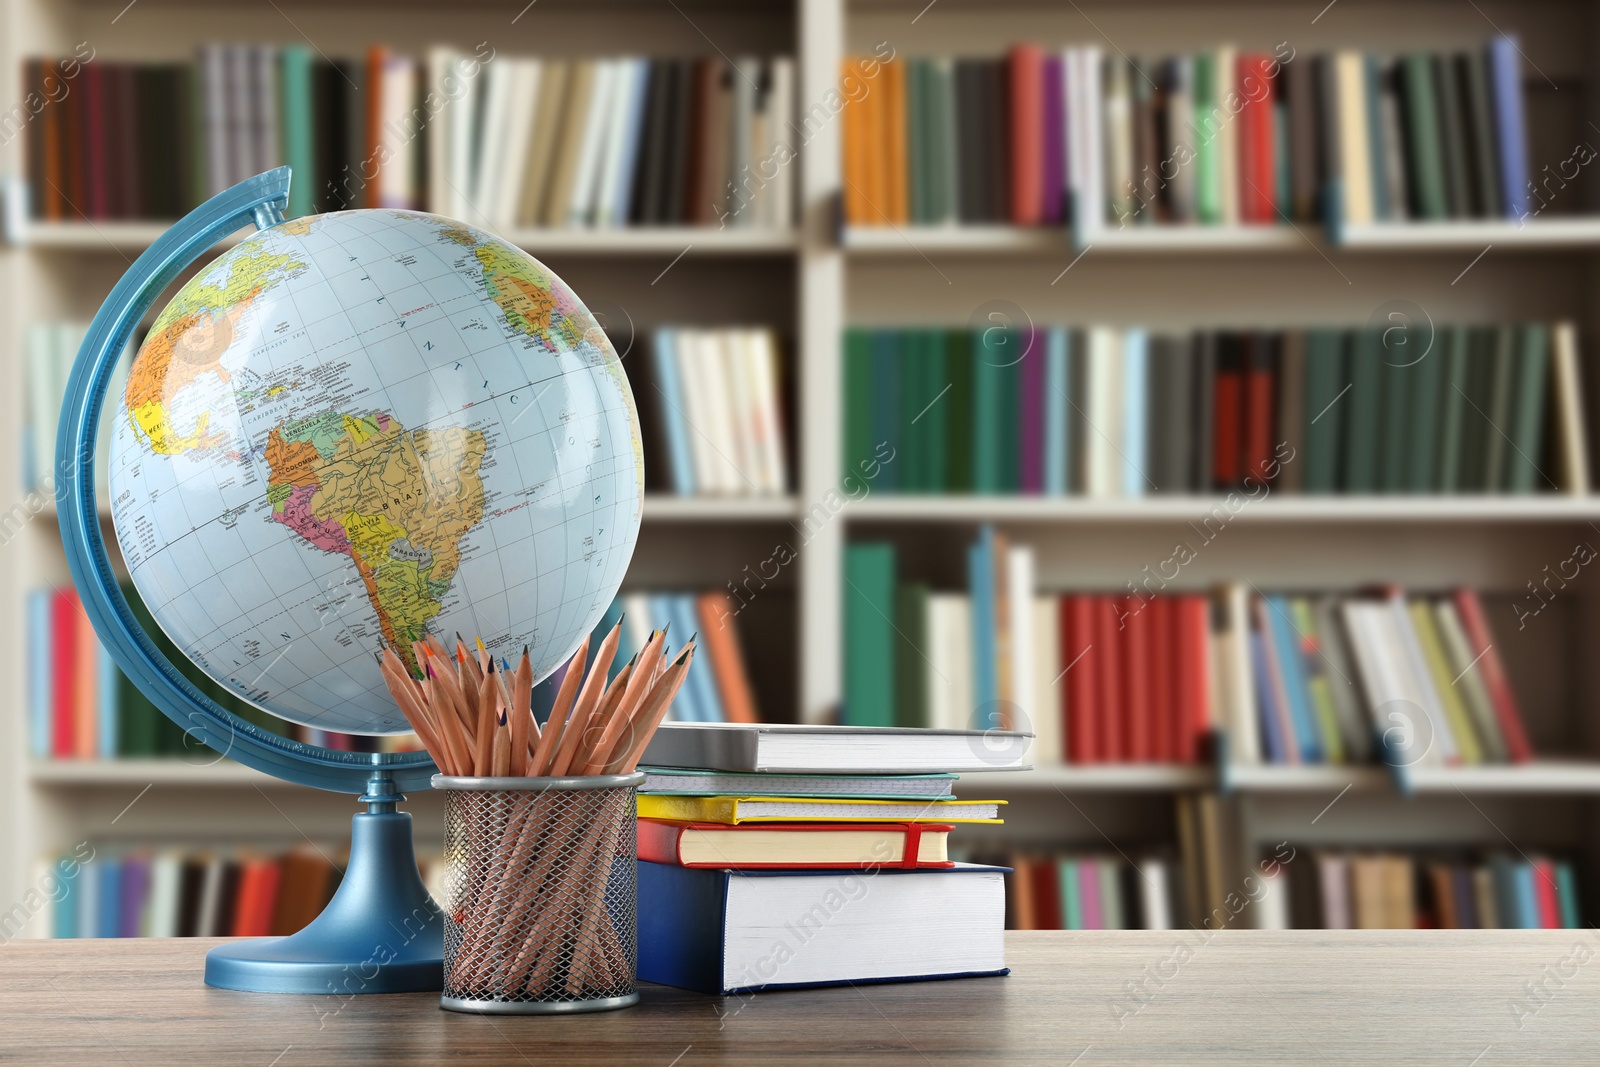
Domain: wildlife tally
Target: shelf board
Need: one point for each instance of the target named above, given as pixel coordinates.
(662, 507)
(1109, 777)
(1472, 235)
(1565, 777)
(1276, 778)
(127, 237)
(884, 507)
(142, 772)
(912, 240)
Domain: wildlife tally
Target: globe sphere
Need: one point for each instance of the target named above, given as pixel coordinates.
(356, 429)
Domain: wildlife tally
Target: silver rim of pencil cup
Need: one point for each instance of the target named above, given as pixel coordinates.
(537, 1007)
(527, 784)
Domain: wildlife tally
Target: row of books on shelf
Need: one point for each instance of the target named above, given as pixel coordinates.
(1217, 137)
(1112, 412)
(1381, 890)
(477, 136)
(179, 892)
(1075, 891)
(717, 415)
(1143, 676)
(82, 707)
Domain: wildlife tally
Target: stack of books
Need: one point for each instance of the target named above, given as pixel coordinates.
(1375, 890)
(1220, 137)
(1104, 411)
(775, 856)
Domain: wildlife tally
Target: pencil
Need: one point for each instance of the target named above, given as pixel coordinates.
(588, 698)
(556, 724)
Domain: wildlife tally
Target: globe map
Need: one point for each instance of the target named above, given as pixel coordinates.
(357, 428)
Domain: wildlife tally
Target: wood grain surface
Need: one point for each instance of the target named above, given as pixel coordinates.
(1300, 997)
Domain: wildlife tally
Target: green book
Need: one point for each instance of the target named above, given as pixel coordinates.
(912, 655)
(1393, 462)
(1422, 454)
(1009, 423)
(962, 397)
(1325, 409)
(886, 426)
(1111, 917)
(1452, 407)
(296, 126)
(917, 162)
(869, 572)
(1526, 429)
(1208, 182)
(988, 405)
(857, 379)
(1475, 429)
(1425, 153)
(1567, 895)
(936, 418)
(1453, 138)
(1365, 411)
(1071, 897)
(1318, 685)
(1480, 127)
(910, 454)
(1502, 383)
(941, 141)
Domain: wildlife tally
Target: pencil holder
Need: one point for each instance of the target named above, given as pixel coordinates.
(540, 890)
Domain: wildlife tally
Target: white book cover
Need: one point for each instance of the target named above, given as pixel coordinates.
(1227, 143)
(1244, 725)
(717, 381)
(489, 172)
(1048, 687)
(1019, 606)
(1155, 895)
(1333, 872)
(1419, 680)
(239, 132)
(44, 404)
(615, 170)
(214, 116)
(695, 397)
(1272, 907)
(1104, 465)
(1379, 649)
(440, 134)
(584, 191)
(953, 673)
(743, 417)
(464, 136)
(763, 345)
(1354, 157)
(209, 921)
(936, 680)
(398, 133)
(519, 140)
(161, 906)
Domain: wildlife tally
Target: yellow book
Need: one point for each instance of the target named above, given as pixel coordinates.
(730, 811)
(1439, 666)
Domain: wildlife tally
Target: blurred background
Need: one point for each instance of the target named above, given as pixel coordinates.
(1203, 386)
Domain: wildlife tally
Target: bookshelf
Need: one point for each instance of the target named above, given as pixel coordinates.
(809, 283)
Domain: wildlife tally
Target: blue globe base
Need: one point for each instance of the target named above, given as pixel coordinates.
(381, 932)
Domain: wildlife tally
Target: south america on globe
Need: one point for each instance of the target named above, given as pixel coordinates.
(358, 428)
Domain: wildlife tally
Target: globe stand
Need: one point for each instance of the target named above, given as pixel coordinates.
(381, 932)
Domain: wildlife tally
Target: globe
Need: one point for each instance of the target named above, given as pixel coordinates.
(355, 429)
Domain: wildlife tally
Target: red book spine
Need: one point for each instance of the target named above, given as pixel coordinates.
(1228, 407)
(1135, 633)
(1544, 880)
(1082, 687)
(1046, 894)
(1112, 721)
(258, 896)
(1165, 722)
(657, 842)
(63, 673)
(1192, 667)
(1494, 675)
(1260, 401)
(1257, 142)
(1027, 135)
(1266, 144)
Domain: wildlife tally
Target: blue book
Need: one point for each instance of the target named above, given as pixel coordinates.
(1510, 123)
(39, 694)
(980, 581)
(1057, 382)
(1135, 403)
(1290, 665)
(680, 461)
(1567, 894)
(1267, 703)
(107, 706)
(108, 899)
(703, 675)
(690, 704)
(722, 931)
(1527, 896)
(64, 912)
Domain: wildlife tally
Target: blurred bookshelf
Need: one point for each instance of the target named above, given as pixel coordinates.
(811, 281)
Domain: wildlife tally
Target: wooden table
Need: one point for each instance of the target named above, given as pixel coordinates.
(1303, 997)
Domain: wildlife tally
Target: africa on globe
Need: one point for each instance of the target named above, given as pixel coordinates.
(358, 428)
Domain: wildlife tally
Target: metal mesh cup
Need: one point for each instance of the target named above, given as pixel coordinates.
(541, 895)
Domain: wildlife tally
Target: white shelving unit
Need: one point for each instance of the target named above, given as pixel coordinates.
(812, 282)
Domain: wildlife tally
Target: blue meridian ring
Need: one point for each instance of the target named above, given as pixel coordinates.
(259, 201)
